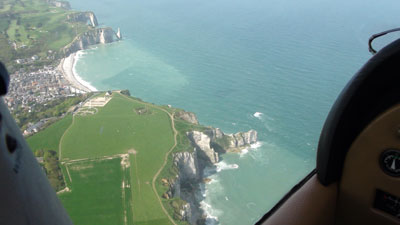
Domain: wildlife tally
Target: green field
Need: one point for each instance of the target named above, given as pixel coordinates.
(116, 129)
(91, 149)
(35, 27)
(49, 138)
(97, 195)
(148, 211)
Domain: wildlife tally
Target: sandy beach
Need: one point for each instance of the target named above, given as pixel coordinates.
(67, 68)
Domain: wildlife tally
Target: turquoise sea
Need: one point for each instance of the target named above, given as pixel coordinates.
(275, 66)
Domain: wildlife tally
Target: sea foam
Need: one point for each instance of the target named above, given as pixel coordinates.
(252, 147)
(258, 115)
(209, 212)
(212, 188)
(224, 166)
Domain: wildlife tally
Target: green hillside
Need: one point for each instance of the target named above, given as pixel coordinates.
(119, 149)
(33, 27)
(116, 129)
(49, 138)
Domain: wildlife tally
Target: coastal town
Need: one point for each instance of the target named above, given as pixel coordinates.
(43, 85)
(40, 55)
(32, 89)
(37, 87)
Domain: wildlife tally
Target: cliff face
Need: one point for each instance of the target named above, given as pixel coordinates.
(185, 185)
(83, 17)
(92, 37)
(242, 139)
(202, 143)
(232, 142)
(191, 166)
(187, 116)
(188, 165)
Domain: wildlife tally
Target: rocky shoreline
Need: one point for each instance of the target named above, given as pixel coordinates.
(208, 146)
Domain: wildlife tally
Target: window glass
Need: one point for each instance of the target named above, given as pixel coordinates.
(266, 72)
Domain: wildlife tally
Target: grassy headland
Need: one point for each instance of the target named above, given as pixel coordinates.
(116, 129)
(34, 28)
(102, 140)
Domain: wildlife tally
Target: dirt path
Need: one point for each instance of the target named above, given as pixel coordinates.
(62, 138)
(137, 174)
(171, 116)
(69, 175)
(165, 163)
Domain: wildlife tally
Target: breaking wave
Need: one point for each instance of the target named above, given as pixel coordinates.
(224, 166)
(209, 212)
(258, 115)
(252, 147)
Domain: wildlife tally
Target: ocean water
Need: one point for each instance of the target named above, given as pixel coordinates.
(275, 66)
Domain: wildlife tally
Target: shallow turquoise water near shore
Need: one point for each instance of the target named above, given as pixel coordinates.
(225, 61)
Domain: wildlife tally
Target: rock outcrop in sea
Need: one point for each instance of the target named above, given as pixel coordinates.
(83, 17)
(207, 145)
(241, 140)
(119, 35)
(91, 37)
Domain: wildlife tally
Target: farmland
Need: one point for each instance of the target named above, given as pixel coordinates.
(116, 129)
(100, 184)
(110, 156)
(33, 27)
(49, 138)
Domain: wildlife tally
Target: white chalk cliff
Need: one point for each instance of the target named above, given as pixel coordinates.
(191, 166)
(202, 143)
(91, 37)
(83, 17)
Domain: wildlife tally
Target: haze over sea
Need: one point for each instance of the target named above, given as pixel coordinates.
(275, 66)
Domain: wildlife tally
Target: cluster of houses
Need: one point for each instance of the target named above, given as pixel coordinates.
(30, 88)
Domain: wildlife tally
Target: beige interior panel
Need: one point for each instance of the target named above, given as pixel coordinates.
(312, 204)
(362, 174)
